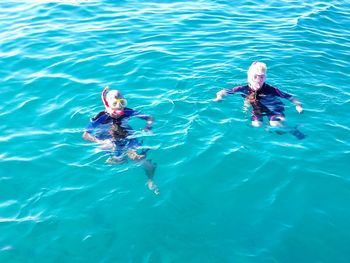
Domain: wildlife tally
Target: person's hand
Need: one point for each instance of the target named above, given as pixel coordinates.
(299, 108)
(220, 95)
(148, 127)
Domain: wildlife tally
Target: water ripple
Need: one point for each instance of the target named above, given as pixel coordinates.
(237, 188)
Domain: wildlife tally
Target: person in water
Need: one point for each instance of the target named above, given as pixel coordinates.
(110, 129)
(263, 98)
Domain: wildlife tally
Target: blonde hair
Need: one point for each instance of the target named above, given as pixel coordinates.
(256, 68)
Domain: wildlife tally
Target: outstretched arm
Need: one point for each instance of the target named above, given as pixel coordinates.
(146, 117)
(89, 137)
(224, 92)
(220, 95)
(287, 96)
(297, 104)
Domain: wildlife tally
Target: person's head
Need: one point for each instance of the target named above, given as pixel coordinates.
(257, 75)
(115, 103)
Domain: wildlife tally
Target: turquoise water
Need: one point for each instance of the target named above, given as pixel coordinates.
(229, 192)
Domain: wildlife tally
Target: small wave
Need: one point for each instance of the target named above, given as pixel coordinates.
(35, 218)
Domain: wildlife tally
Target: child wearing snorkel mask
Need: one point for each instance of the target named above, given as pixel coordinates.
(263, 98)
(110, 129)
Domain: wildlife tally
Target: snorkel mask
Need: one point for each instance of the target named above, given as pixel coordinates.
(114, 102)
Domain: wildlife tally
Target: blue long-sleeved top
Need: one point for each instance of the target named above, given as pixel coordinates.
(265, 100)
(100, 124)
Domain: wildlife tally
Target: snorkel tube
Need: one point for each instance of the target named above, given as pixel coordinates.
(103, 97)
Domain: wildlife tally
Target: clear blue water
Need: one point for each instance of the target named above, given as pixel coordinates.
(229, 192)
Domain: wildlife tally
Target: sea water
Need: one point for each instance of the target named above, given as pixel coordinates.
(229, 192)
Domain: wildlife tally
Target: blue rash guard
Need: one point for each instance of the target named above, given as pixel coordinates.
(265, 101)
(100, 126)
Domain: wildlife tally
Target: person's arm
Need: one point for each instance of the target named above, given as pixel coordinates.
(146, 117)
(297, 104)
(89, 137)
(289, 97)
(106, 144)
(224, 92)
(220, 95)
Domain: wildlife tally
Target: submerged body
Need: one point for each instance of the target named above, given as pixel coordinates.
(116, 133)
(110, 129)
(264, 99)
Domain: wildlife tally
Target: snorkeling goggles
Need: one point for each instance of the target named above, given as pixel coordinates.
(113, 103)
(117, 101)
